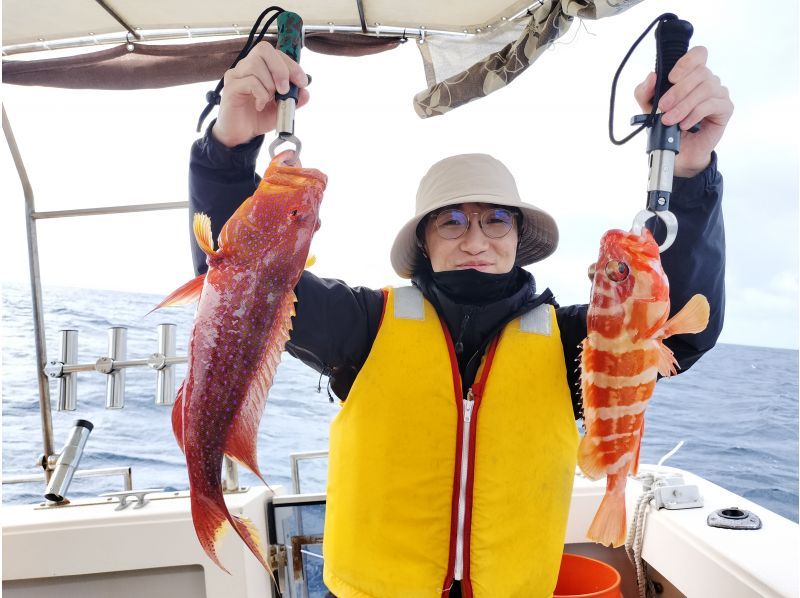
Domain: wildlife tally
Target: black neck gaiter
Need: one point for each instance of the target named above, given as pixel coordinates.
(472, 287)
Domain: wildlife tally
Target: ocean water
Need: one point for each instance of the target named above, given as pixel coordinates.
(736, 409)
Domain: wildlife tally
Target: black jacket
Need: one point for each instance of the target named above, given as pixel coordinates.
(336, 324)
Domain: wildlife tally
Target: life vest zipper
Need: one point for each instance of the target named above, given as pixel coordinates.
(461, 516)
(468, 404)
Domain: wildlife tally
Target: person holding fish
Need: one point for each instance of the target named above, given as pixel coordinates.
(452, 459)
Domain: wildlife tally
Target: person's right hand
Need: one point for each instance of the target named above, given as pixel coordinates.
(247, 108)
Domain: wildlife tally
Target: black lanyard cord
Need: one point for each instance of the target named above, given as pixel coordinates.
(213, 97)
(659, 84)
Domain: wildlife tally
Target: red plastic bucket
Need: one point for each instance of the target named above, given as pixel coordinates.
(582, 577)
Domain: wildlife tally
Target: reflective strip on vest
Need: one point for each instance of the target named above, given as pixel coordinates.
(408, 303)
(537, 321)
(392, 463)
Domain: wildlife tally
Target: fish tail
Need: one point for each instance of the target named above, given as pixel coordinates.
(590, 459)
(209, 516)
(249, 534)
(609, 525)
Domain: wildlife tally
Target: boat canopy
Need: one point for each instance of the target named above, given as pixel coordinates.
(469, 49)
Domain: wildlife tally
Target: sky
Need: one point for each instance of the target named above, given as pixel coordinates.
(99, 148)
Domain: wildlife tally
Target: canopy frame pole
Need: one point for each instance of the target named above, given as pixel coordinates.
(155, 35)
(36, 295)
(119, 19)
(360, 6)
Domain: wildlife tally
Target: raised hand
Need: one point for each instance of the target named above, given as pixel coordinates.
(248, 108)
(697, 96)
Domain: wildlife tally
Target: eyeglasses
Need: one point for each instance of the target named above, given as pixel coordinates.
(453, 223)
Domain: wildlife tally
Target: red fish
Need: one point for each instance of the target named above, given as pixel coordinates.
(241, 326)
(620, 361)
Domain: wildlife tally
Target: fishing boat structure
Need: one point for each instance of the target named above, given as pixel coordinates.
(688, 536)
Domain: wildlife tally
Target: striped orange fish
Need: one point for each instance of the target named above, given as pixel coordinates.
(621, 358)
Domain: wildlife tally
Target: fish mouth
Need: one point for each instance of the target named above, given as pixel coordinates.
(288, 157)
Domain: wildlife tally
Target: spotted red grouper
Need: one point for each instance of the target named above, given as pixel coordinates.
(620, 361)
(240, 329)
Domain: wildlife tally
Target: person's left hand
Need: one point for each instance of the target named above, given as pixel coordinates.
(697, 96)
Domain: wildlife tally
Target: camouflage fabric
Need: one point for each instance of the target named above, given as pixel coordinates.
(547, 23)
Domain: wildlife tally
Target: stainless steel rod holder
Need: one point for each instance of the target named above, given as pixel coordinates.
(165, 383)
(68, 383)
(117, 351)
(231, 481)
(68, 460)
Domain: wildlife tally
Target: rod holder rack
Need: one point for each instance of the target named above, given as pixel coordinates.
(115, 383)
(67, 461)
(113, 365)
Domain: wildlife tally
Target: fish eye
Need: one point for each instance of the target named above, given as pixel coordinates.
(293, 213)
(617, 271)
(592, 270)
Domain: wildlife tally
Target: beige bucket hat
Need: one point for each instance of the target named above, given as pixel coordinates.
(475, 178)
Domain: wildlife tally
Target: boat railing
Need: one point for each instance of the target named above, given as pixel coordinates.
(125, 472)
(294, 463)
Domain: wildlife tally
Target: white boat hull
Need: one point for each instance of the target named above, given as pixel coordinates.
(89, 549)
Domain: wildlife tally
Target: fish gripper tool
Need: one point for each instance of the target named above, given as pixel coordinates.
(290, 41)
(663, 141)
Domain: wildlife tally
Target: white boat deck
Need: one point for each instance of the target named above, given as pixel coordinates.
(698, 559)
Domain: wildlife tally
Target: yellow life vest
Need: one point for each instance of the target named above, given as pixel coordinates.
(417, 495)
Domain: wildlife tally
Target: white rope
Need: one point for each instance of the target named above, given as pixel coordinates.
(669, 454)
(635, 539)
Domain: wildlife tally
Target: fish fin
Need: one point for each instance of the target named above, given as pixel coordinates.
(692, 318)
(609, 525)
(183, 295)
(201, 224)
(590, 459)
(177, 416)
(635, 462)
(240, 444)
(209, 518)
(312, 259)
(666, 363)
(249, 534)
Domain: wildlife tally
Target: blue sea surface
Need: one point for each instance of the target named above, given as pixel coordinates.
(736, 409)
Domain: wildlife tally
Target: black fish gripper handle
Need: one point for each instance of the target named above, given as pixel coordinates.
(672, 42)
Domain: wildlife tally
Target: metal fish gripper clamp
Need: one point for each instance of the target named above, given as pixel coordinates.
(663, 141)
(290, 41)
